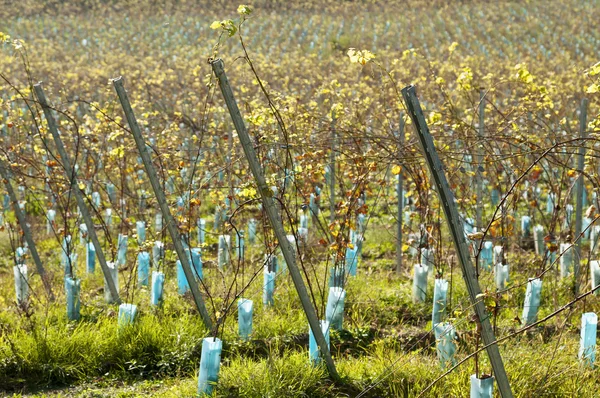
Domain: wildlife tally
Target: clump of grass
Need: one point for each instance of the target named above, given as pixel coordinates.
(290, 375)
(56, 352)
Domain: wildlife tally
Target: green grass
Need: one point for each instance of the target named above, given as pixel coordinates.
(385, 346)
(407, 374)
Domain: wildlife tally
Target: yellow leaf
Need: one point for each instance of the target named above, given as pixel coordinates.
(476, 235)
(118, 152)
(244, 9)
(360, 56)
(594, 88)
(594, 70)
(396, 170)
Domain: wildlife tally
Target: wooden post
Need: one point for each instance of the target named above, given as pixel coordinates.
(579, 193)
(273, 215)
(400, 193)
(478, 162)
(162, 201)
(26, 231)
(85, 213)
(456, 229)
(332, 171)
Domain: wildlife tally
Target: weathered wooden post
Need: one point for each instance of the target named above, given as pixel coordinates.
(273, 215)
(26, 231)
(71, 173)
(400, 194)
(479, 161)
(332, 170)
(456, 229)
(162, 201)
(579, 193)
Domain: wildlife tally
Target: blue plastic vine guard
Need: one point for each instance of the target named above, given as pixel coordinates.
(140, 228)
(245, 309)
(217, 221)
(72, 288)
(20, 255)
(440, 291)
(550, 203)
(486, 256)
(538, 240)
(313, 205)
(143, 260)
(158, 251)
(334, 312)
(201, 225)
(240, 245)
(127, 314)
(268, 288)
(210, 362)
(445, 338)
(419, 291)
(526, 226)
(351, 261)
(108, 217)
(111, 191)
(427, 258)
(533, 296)
(566, 260)
(336, 277)
(182, 283)
(587, 345)
(196, 258)
(223, 250)
(482, 388)
(156, 293)
(83, 234)
(122, 249)
(501, 275)
(21, 282)
(158, 223)
(66, 250)
(50, 217)
(114, 273)
(90, 258)
(252, 231)
(313, 349)
(497, 254)
(96, 200)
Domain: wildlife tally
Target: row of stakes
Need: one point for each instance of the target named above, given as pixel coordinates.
(442, 330)
(127, 312)
(211, 346)
(445, 333)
